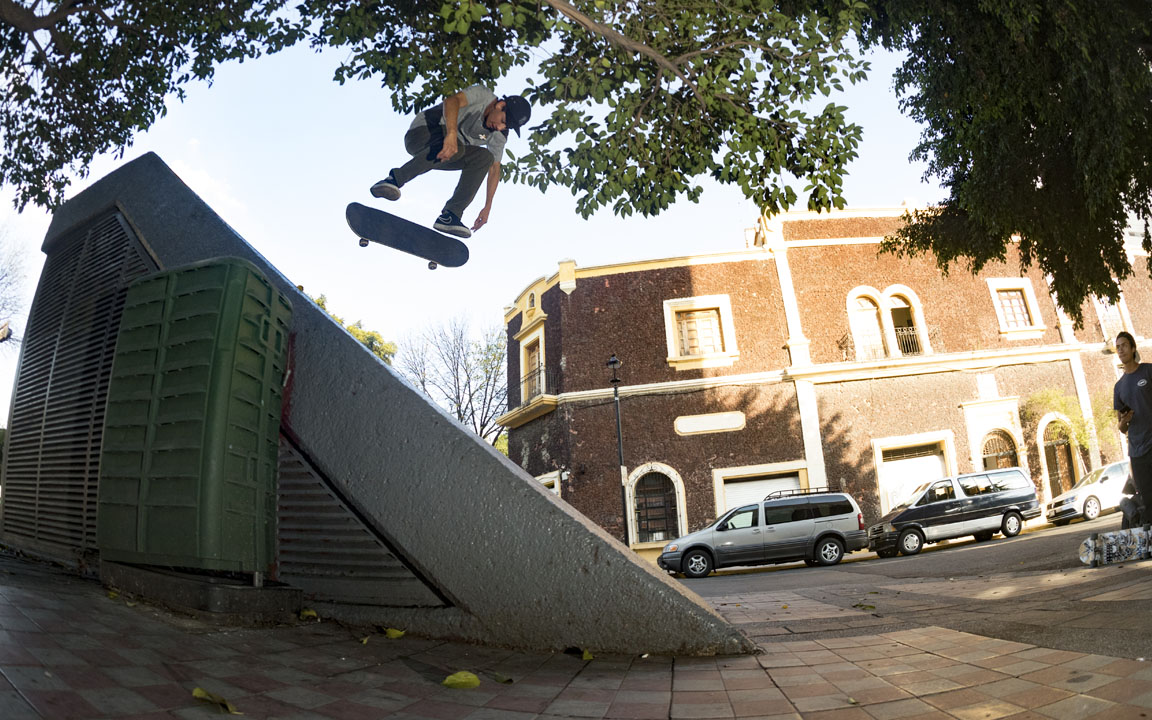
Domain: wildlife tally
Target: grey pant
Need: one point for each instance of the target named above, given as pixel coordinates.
(473, 162)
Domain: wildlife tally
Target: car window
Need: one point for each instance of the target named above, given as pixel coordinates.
(1118, 472)
(1011, 481)
(830, 508)
(745, 517)
(974, 485)
(785, 512)
(940, 491)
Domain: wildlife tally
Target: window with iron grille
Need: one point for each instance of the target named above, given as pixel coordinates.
(699, 331)
(999, 450)
(656, 515)
(532, 383)
(1014, 308)
(904, 323)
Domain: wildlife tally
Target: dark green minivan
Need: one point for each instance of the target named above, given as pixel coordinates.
(979, 504)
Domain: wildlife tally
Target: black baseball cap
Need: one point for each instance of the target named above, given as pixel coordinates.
(517, 111)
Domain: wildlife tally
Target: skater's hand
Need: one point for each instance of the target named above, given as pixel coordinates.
(481, 219)
(1125, 420)
(450, 148)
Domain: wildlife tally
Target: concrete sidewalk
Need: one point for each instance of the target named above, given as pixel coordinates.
(68, 650)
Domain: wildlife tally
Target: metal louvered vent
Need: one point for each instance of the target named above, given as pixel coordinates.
(51, 463)
(327, 551)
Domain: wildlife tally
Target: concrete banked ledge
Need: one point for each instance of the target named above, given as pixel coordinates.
(519, 567)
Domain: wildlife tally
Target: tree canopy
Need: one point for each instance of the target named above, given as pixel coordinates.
(1036, 112)
(370, 339)
(1037, 120)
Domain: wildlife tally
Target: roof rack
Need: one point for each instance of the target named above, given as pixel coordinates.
(777, 494)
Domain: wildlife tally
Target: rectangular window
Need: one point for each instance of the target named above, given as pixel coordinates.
(1010, 481)
(1015, 308)
(831, 508)
(699, 331)
(786, 512)
(976, 485)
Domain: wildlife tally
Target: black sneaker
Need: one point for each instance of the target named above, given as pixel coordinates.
(387, 188)
(449, 223)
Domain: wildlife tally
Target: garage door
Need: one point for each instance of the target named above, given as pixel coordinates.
(745, 491)
(904, 469)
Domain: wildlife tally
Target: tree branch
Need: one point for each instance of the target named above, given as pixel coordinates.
(25, 20)
(623, 42)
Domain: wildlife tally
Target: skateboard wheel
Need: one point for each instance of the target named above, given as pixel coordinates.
(363, 242)
(432, 265)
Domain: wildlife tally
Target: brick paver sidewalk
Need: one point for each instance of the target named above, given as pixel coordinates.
(68, 650)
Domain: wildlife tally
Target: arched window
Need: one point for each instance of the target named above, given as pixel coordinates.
(904, 325)
(531, 300)
(866, 330)
(999, 450)
(1058, 457)
(656, 516)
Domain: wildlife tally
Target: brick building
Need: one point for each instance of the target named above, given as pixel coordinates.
(807, 360)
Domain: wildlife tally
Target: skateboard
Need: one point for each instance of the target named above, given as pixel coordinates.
(377, 226)
(1116, 546)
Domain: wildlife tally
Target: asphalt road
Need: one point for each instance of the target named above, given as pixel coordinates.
(1032, 589)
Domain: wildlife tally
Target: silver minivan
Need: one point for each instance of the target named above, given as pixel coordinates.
(815, 526)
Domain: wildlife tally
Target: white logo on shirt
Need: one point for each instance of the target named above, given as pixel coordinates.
(1142, 382)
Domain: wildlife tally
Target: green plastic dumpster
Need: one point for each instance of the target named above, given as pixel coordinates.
(188, 460)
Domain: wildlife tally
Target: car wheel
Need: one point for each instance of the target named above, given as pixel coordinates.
(829, 551)
(887, 553)
(1012, 524)
(984, 536)
(1091, 508)
(697, 564)
(910, 542)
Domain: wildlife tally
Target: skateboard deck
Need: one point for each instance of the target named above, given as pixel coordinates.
(377, 226)
(1116, 546)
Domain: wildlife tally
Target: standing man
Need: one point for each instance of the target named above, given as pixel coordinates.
(1132, 400)
(466, 132)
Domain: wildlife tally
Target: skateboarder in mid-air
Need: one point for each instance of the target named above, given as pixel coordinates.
(466, 132)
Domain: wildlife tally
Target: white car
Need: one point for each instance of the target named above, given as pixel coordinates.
(1097, 492)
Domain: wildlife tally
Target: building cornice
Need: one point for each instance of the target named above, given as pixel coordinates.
(819, 374)
(540, 405)
(570, 275)
(934, 363)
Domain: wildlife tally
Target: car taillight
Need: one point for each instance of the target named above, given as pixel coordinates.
(860, 519)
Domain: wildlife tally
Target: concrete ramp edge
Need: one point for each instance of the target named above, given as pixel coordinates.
(520, 567)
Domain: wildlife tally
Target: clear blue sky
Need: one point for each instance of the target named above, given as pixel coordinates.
(278, 149)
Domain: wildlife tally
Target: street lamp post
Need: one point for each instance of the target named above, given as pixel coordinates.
(614, 363)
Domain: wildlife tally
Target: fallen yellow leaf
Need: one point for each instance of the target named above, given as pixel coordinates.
(393, 633)
(587, 655)
(112, 594)
(462, 680)
(308, 614)
(202, 694)
(364, 640)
